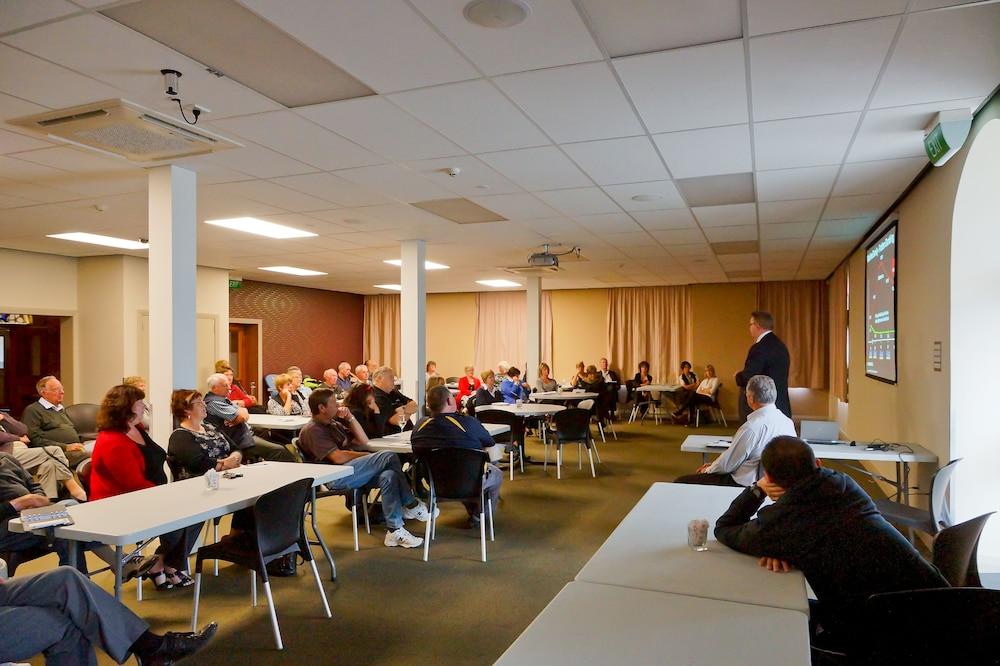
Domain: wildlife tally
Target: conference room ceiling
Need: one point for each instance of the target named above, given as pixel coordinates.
(675, 142)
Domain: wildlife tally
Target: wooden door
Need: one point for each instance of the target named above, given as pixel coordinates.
(243, 356)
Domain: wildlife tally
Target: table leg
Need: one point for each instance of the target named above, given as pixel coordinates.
(704, 458)
(905, 483)
(118, 572)
(319, 537)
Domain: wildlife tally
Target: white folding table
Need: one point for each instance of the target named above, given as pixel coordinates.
(652, 388)
(272, 422)
(137, 516)
(588, 623)
(563, 396)
(400, 442)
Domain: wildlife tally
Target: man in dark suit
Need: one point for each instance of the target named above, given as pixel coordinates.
(767, 356)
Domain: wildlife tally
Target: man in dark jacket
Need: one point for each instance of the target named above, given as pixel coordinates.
(446, 427)
(394, 408)
(825, 525)
(767, 356)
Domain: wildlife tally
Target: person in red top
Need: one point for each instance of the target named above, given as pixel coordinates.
(236, 393)
(468, 385)
(126, 459)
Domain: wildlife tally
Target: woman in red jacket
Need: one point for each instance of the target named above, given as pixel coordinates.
(468, 385)
(126, 459)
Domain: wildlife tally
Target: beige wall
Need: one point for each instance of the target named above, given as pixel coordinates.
(579, 329)
(451, 332)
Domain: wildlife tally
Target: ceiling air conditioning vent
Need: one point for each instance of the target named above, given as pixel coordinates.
(123, 128)
(532, 270)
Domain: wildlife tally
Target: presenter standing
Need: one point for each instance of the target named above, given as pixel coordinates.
(767, 356)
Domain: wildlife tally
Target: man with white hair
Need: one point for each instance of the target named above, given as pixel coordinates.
(232, 421)
(394, 408)
(740, 464)
(345, 380)
(361, 374)
(329, 379)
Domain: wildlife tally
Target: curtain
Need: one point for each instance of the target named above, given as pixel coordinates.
(838, 332)
(381, 333)
(500, 329)
(546, 331)
(800, 320)
(649, 324)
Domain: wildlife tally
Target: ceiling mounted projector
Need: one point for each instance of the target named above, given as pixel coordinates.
(497, 13)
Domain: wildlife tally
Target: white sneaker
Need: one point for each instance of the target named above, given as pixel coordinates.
(420, 512)
(402, 538)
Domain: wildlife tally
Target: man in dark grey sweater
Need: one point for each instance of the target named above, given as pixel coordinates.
(48, 424)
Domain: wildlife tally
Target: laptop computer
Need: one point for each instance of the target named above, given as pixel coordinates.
(820, 432)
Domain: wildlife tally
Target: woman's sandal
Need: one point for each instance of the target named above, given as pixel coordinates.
(180, 579)
(159, 579)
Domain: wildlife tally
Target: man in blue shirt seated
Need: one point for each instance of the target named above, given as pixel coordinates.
(512, 388)
(444, 428)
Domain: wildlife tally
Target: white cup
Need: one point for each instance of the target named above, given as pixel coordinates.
(212, 479)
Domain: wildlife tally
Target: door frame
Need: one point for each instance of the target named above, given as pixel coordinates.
(259, 323)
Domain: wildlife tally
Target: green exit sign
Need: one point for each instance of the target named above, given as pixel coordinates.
(235, 284)
(936, 145)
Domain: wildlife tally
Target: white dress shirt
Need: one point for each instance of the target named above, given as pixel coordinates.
(708, 386)
(48, 405)
(761, 336)
(742, 459)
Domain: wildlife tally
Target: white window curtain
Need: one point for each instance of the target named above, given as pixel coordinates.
(649, 324)
(381, 333)
(500, 329)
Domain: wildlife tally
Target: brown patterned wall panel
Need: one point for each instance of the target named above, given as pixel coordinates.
(314, 329)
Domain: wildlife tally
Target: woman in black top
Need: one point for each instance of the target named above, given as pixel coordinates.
(642, 378)
(687, 378)
(361, 401)
(488, 393)
(592, 380)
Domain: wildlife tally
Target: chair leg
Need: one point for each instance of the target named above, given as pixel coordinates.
(197, 597)
(611, 424)
(579, 455)
(215, 539)
(354, 524)
(596, 452)
(364, 506)
(722, 414)
(319, 584)
(253, 588)
(558, 460)
(512, 464)
(482, 531)
(520, 457)
(427, 529)
(600, 427)
(590, 453)
(489, 508)
(274, 615)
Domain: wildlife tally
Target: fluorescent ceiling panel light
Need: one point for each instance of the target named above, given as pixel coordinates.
(428, 265)
(292, 270)
(97, 239)
(252, 225)
(393, 287)
(498, 283)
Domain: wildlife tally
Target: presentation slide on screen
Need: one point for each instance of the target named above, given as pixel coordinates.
(880, 307)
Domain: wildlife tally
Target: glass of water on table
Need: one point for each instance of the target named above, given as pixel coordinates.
(698, 535)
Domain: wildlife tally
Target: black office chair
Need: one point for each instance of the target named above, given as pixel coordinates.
(84, 418)
(929, 520)
(514, 438)
(455, 475)
(15, 558)
(572, 425)
(955, 549)
(451, 380)
(714, 408)
(279, 531)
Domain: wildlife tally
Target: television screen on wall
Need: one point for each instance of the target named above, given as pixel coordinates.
(880, 306)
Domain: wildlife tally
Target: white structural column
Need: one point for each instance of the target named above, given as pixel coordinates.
(533, 342)
(413, 320)
(172, 276)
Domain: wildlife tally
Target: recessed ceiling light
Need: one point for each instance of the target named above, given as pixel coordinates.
(496, 13)
(647, 197)
(291, 270)
(252, 225)
(428, 265)
(393, 287)
(97, 239)
(497, 283)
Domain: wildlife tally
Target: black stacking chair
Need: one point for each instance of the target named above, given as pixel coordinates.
(514, 438)
(929, 520)
(572, 425)
(455, 475)
(955, 549)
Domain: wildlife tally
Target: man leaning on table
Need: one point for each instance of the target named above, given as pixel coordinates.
(825, 525)
(739, 465)
(226, 416)
(331, 436)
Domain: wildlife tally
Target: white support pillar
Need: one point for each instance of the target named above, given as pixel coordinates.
(413, 320)
(172, 275)
(533, 343)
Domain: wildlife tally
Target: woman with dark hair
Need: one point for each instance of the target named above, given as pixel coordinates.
(512, 388)
(686, 378)
(642, 378)
(361, 401)
(126, 459)
(545, 381)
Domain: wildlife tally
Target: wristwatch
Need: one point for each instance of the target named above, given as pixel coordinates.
(758, 492)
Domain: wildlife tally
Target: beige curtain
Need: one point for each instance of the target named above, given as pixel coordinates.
(546, 330)
(381, 333)
(500, 329)
(838, 332)
(651, 324)
(800, 320)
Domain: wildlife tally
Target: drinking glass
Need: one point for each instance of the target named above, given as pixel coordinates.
(698, 535)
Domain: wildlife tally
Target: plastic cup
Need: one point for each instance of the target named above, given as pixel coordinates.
(212, 479)
(698, 535)
(519, 403)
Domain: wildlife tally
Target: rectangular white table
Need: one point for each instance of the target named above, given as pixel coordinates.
(902, 455)
(649, 551)
(133, 517)
(273, 422)
(588, 623)
(400, 442)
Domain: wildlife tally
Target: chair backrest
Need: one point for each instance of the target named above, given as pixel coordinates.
(84, 418)
(954, 625)
(940, 482)
(572, 424)
(451, 380)
(954, 551)
(269, 383)
(83, 471)
(454, 473)
(586, 404)
(279, 514)
(176, 469)
(715, 393)
(470, 405)
(515, 422)
(297, 452)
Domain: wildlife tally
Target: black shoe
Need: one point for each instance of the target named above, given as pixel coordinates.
(178, 645)
(283, 567)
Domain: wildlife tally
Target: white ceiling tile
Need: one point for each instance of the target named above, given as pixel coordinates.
(726, 216)
(474, 178)
(333, 188)
(579, 201)
(727, 234)
(613, 161)
(788, 184)
(18, 14)
(77, 160)
(519, 206)
(41, 82)
(880, 176)
(537, 169)
(631, 239)
(687, 252)
(383, 43)
(258, 161)
(800, 210)
(737, 261)
(784, 245)
(967, 68)
(552, 35)
(820, 70)
(12, 142)
(378, 125)
(644, 26)
(665, 189)
(783, 231)
(712, 78)
(673, 237)
(557, 227)
(802, 142)
(275, 195)
(474, 115)
(38, 193)
(840, 243)
(766, 16)
(899, 132)
(680, 218)
(706, 152)
(396, 182)
(300, 139)
(866, 205)
(573, 103)
(918, 5)
(609, 223)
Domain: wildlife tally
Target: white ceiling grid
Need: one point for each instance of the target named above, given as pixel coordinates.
(574, 125)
